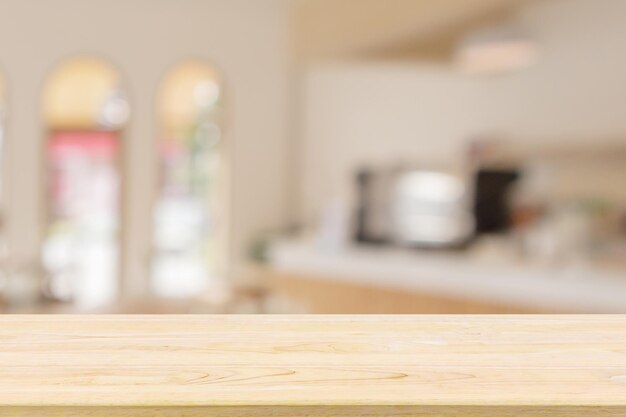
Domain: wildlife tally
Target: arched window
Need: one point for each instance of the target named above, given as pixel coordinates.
(3, 113)
(2, 138)
(187, 212)
(84, 111)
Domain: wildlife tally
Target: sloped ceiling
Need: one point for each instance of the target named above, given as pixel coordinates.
(330, 29)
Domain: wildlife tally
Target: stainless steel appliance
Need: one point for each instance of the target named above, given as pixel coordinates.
(414, 207)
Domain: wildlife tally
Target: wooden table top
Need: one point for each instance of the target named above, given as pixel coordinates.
(342, 365)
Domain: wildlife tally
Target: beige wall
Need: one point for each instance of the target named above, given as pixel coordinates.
(357, 112)
(246, 39)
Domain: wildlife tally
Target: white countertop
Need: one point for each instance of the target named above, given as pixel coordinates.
(580, 289)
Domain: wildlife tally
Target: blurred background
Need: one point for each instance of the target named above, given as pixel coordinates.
(313, 156)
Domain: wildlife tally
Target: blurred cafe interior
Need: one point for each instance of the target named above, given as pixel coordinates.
(313, 156)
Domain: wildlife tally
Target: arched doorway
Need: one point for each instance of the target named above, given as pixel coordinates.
(85, 110)
(190, 209)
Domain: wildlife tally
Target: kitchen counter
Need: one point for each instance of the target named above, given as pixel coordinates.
(539, 288)
(192, 366)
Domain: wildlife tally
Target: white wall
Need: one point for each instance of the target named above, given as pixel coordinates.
(246, 39)
(357, 113)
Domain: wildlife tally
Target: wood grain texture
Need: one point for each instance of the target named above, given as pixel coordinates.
(192, 366)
